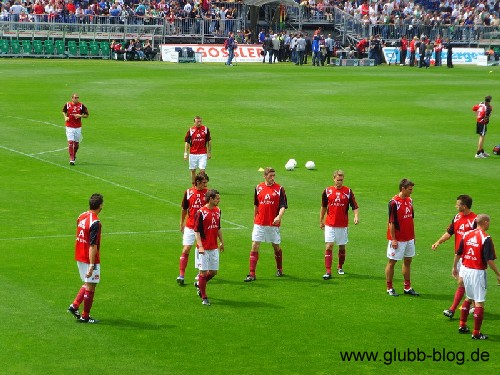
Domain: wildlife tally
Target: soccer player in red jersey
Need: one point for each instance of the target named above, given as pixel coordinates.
(483, 112)
(401, 236)
(88, 243)
(197, 147)
(477, 252)
(270, 204)
(73, 112)
(207, 232)
(194, 199)
(462, 223)
(335, 202)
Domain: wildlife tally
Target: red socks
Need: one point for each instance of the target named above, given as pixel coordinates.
(202, 284)
(458, 297)
(254, 258)
(328, 261)
(464, 314)
(478, 320)
(278, 255)
(341, 258)
(183, 263)
(407, 284)
(389, 285)
(71, 150)
(79, 298)
(88, 299)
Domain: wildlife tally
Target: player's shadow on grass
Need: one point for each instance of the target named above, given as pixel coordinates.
(246, 304)
(133, 324)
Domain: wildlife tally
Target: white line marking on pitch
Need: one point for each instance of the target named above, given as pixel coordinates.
(72, 169)
(46, 152)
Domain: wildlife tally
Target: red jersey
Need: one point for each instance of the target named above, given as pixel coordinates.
(208, 225)
(476, 248)
(337, 202)
(193, 200)
(71, 109)
(268, 200)
(401, 215)
(483, 112)
(460, 225)
(88, 232)
(412, 45)
(198, 137)
(404, 44)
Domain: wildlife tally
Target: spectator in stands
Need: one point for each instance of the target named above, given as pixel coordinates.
(138, 50)
(15, 11)
(130, 50)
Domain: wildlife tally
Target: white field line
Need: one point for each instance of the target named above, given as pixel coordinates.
(47, 152)
(74, 170)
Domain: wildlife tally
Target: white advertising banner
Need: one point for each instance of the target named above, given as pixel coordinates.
(215, 52)
(460, 55)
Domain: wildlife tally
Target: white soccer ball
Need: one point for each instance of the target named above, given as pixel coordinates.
(293, 161)
(289, 166)
(310, 165)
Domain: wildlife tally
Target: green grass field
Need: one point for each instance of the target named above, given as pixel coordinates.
(378, 124)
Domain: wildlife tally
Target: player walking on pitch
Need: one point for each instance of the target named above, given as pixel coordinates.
(87, 255)
(73, 112)
(462, 223)
(477, 252)
(270, 204)
(197, 147)
(194, 199)
(207, 232)
(335, 202)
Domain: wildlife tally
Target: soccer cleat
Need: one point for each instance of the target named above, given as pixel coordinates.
(463, 329)
(340, 271)
(479, 156)
(486, 155)
(481, 336)
(411, 292)
(279, 273)
(72, 162)
(87, 320)
(198, 291)
(74, 311)
(449, 313)
(205, 302)
(327, 276)
(180, 280)
(392, 293)
(249, 278)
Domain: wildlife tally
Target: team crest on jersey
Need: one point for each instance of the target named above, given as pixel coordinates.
(82, 223)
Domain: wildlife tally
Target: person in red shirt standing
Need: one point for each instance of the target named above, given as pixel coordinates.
(477, 252)
(270, 204)
(401, 236)
(207, 232)
(335, 202)
(403, 49)
(73, 112)
(413, 50)
(194, 199)
(198, 147)
(462, 223)
(87, 256)
(438, 50)
(483, 111)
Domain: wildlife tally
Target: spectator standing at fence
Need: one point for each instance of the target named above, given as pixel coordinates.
(329, 47)
(449, 53)
(477, 252)
(231, 46)
(403, 49)
(413, 48)
(301, 48)
(197, 147)
(73, 113)
(438, 49)
(483, 112)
